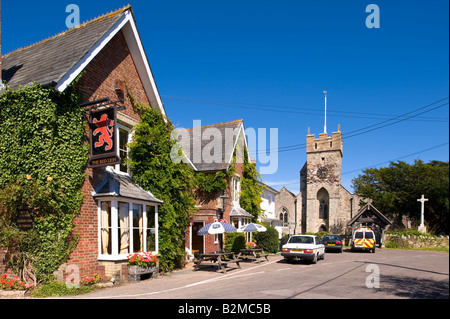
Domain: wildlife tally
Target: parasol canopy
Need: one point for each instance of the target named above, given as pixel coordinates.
(252, 228)
(219, 227)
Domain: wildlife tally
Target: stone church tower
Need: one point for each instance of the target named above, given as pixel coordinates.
(323, 204)
(320, 184)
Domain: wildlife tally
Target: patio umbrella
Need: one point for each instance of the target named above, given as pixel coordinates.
(252, 228)
(217, 228)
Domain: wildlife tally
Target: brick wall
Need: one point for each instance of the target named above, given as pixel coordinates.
(113, 63)
(207, 212)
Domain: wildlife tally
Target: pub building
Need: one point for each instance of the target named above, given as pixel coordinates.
(117, 217)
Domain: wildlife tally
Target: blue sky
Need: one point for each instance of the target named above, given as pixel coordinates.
(269, 62)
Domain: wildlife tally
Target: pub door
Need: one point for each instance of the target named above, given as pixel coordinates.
(197, 240)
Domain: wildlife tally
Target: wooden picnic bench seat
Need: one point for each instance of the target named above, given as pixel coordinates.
(212, 261)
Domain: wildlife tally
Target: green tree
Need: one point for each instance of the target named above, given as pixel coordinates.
(396, 188)
(170, 182)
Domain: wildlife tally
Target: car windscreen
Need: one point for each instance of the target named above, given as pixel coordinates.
(301, 240)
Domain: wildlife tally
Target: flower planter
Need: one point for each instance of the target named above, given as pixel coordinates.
(4, 294)
(135, 272)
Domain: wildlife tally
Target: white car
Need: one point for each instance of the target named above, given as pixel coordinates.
(303, 247)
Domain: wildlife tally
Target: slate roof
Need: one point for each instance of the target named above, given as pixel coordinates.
(195, 136)
(237, 211)
(121, 185)
(46, 62)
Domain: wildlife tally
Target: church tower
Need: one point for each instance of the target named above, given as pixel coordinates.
(320, 180)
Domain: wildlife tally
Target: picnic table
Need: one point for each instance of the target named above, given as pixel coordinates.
(221, 259)
(253, 253)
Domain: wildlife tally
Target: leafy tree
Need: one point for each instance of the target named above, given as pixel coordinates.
(170, 182)
(396, 188)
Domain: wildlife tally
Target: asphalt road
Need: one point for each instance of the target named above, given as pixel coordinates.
(387, 274)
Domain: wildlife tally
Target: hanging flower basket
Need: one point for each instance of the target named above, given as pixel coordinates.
(140, 264)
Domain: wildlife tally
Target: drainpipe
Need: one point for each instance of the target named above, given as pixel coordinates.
(295, 209)
(351, 207)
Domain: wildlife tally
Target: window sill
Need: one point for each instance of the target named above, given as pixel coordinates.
(112, 258)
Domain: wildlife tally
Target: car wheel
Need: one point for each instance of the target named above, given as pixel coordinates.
(340, 250)
(314, 261)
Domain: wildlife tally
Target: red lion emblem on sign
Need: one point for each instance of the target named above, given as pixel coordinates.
(106, 129)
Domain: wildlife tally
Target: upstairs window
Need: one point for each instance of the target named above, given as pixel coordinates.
(236, 189)
(125, 137)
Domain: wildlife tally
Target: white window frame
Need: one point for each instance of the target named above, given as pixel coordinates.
(236, 190)
(130, 138)
(115, 227)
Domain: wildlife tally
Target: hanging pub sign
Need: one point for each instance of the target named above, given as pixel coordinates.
(104, 150)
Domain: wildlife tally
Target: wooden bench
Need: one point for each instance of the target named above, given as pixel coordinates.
(216, 260)
(226, 262)
(253, 255)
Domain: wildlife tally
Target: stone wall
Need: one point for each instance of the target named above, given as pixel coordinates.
(416, 241)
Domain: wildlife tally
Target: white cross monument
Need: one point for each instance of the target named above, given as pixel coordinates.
(422, 227)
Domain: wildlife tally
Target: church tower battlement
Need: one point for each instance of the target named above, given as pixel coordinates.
(324, 143)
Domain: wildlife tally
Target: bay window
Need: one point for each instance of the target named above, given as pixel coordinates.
(125, 228)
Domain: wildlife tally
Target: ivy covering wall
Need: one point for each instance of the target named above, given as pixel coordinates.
(170, 182)
(43, 156)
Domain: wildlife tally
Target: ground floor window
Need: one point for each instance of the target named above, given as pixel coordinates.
(126, 227)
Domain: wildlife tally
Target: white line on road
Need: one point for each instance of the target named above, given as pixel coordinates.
(229, 276)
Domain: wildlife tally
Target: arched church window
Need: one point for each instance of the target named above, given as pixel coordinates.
(323, 199)
(284, 215)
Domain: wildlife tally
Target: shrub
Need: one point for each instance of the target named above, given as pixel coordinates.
(235, 242)
(268, 240)
(56, 289)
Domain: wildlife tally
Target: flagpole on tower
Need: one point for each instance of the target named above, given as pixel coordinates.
(326, 100)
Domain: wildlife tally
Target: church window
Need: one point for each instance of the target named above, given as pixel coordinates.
(323, 199)
(284, 215)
